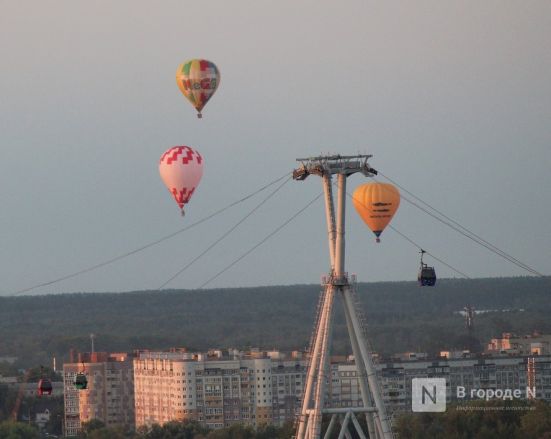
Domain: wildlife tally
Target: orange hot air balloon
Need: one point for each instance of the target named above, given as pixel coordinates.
(376, 203)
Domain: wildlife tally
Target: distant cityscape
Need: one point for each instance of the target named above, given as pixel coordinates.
(219, 388)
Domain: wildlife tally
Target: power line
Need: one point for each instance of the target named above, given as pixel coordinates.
(224, 235)
(454, 225)
(153, 243)
(275, 231)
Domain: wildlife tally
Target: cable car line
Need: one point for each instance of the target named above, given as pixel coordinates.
(268, 236)
(224, 235)
(463, 230)
(411, 241)
(472, 238)
(153, 243)
(451, 219)
(427, 252)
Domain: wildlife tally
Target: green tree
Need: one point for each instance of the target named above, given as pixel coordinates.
(8, 369)
(109, 433)
(236, 431)
(173, 430)
(7, 402)
(17, 430)
(480, 420)
(536, 424)
(90, 427)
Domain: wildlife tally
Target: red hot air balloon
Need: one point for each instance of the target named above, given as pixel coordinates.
(181, 169)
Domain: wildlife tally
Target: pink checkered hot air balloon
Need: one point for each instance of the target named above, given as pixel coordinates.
(181, 169)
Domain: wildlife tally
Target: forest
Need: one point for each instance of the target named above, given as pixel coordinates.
(401, 317)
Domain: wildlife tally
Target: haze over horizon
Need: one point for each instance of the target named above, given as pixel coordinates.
(453, 100)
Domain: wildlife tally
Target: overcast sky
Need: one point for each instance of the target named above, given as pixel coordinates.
(453, 99)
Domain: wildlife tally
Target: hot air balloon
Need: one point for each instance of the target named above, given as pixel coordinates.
(376, 203)
(198, 79)
(181, 169)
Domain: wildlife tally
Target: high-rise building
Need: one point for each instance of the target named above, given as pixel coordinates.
(109, 396)
(212, 390)
(288, 380)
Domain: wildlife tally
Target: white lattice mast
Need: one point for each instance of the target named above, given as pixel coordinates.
(313, 402)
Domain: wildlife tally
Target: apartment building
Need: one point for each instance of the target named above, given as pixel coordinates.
(215, 391)
(109, 396)
(218, 389)
(288, 381)
(472, 374)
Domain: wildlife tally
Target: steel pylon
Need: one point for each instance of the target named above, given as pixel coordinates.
(313, 407)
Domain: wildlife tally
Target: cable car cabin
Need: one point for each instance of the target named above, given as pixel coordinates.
(426, 276)
(44, 387)
(81, 383)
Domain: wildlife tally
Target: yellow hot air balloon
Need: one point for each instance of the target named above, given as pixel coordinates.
(376, 203)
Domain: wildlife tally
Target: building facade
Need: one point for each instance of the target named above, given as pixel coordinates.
(467, 374)
(109, 396)
(288, 381)
(217, 392)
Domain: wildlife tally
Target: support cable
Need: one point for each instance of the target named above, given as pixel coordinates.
(427, 252)
(224, 235)
(446, 220)
(272, 233)
(151, 244)
(411, 241)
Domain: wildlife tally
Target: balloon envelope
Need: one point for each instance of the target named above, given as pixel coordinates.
(198, 79)
(376, 203)
(181, 169)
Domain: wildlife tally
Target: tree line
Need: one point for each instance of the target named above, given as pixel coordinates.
(401, 317)
(475, 420)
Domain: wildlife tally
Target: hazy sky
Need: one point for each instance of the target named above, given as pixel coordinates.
(453, 99)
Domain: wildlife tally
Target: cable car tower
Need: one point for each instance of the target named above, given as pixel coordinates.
(319, 373)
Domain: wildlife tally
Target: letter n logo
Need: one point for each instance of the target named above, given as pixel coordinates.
(428, 394)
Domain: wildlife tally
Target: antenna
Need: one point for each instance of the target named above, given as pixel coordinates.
(92, 337)
(469, 319)
(337, 281)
